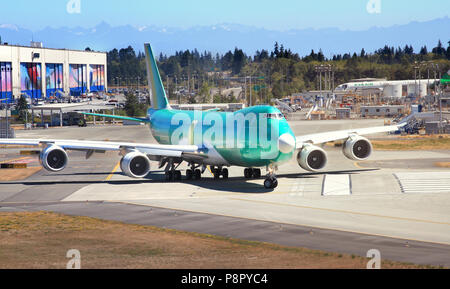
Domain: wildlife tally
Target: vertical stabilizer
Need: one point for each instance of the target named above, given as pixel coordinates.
(446, 78)
(156, 88)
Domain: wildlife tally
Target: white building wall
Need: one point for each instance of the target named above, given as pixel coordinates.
(19, 54)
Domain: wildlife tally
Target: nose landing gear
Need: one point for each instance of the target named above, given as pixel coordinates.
(271, 181)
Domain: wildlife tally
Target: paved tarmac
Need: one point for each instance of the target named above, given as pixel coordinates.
(349, 208)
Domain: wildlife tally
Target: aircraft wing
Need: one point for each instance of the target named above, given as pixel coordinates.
(320, 138)
(102, 146)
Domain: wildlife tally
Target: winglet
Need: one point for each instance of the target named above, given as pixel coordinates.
(158, 96)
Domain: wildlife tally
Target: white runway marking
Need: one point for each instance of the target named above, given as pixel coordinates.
(336, 185)
(424, 182)
(298, 187)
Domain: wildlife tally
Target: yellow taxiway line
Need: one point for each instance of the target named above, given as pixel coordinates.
(108, 178)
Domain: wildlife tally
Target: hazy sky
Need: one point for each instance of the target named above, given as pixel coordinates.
(275, 14)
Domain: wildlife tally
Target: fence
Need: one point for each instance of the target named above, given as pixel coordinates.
(5, 129)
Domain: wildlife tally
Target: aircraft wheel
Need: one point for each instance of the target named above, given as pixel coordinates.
(274, 184)
(256, 173)
(225, 173)
(189, 174)
(169, 176)
(270, 183)
(248, 173)
(216, 173)
(177, 175)
(197, 174)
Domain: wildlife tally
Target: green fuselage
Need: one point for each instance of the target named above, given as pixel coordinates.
(247, 138)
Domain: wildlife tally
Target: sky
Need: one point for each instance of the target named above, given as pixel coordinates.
(273, 15)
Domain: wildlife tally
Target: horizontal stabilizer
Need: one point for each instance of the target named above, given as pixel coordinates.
(137, 119)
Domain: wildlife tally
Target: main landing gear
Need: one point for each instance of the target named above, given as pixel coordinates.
(250, 173)
(219, 172)
(171, 172)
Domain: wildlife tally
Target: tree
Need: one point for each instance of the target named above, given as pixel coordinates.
(239, 61)
(132, 106)
(439, 50)
(227, 60)
(448, 51)
(363, 53)
(424, 51)
(22, 108)
(205, 93)
(276, 51)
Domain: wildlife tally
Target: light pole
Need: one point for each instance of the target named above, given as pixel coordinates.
(325, 69)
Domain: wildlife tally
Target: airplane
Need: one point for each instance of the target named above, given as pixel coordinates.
(380, 84)
(253, 138)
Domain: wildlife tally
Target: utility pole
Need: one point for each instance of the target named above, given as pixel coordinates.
(168, 87)
(251, 100)
(245, 88)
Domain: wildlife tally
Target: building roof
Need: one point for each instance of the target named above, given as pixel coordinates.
(65, 49)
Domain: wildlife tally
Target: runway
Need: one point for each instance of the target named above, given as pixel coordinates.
(398, 202)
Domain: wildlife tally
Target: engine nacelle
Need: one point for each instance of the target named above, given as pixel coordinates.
(357, 148)
(135, 165)
(54, 158)
(312, 158)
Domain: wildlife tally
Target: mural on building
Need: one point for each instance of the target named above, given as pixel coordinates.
(97, 77)
(30, 78)
(5, 82)
(54, 79)
(77, 79)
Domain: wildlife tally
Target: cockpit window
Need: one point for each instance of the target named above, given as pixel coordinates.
(275, 116)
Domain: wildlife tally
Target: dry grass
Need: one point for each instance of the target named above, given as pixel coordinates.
(42, 239)
(414, 143)
(7, 175)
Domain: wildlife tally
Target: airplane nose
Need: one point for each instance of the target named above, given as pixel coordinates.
(286, 143)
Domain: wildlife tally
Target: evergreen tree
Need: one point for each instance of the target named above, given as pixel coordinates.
(239, 61)
(424, 51)
(22, 108)
(132, 105)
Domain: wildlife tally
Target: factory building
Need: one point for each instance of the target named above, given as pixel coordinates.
(40, 73)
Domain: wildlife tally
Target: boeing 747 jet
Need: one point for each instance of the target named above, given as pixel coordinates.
(253, 138)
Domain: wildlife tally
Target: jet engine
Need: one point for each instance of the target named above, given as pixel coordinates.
(357, 148)
(135, 165)
(312, 158)
(54, 158)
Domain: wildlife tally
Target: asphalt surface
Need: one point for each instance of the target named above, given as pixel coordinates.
(369, 209)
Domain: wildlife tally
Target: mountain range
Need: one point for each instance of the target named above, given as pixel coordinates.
(223, 37)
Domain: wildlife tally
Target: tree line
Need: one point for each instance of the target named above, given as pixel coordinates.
(280, 72)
